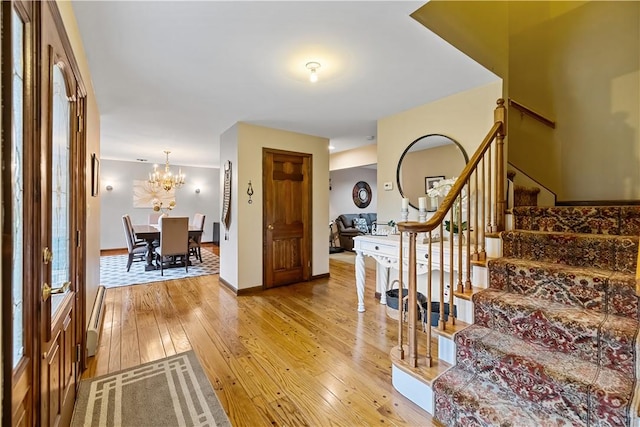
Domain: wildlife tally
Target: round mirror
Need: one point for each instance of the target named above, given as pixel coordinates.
(427, 160)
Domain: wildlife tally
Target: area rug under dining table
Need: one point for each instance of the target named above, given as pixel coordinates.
(173, 391)
(113, 270)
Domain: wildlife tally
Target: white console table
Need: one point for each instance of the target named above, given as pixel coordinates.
(385, 250)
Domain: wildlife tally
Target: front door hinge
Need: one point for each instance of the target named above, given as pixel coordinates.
(78, 353)
(77, 238)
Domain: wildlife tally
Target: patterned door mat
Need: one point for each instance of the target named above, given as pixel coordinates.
(169, 392)
(113, 270)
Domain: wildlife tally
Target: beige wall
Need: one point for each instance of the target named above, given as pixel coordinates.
(576, 63)
(465, 117)
(245, 237)
(580, 67)
(361, 156)
(92, 239)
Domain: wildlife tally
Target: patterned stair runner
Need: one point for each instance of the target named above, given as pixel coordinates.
(555, 336)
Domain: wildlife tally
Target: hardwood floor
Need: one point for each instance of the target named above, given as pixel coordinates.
(295, 355)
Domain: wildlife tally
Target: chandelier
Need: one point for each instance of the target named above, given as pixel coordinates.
(166, 180)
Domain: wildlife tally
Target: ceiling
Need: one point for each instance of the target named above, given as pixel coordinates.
(176, 75)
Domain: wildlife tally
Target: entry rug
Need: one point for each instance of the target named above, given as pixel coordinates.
(168, 392)
(113, 270)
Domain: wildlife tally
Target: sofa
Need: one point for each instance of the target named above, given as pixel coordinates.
(347, 230)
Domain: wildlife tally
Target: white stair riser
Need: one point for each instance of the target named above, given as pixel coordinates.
(414, 390)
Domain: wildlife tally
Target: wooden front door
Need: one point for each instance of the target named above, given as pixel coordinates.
(43, 221)
(286, 217)
(62, 186)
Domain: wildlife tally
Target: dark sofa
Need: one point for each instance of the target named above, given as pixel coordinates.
(347, 231)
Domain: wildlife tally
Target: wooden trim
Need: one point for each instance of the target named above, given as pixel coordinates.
(320, 276)
(529, 112)
(57, 19)
(228, 285)
(598, 203)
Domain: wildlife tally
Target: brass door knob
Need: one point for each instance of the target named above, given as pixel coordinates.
(47, 290)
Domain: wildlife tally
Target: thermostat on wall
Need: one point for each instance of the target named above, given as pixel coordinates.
(388, 185)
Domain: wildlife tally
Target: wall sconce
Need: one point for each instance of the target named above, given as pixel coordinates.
(109, 187)
(197, 191)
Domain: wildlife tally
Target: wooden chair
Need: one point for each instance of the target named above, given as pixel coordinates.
(174, 240)
(194, 242)
(137, 249)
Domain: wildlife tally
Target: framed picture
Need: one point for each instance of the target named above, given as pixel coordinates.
(95, 175)
(429, 181)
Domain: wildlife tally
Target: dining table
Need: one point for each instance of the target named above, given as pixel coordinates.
(151, 233)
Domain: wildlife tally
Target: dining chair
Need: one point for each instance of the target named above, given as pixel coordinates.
(153, 218)
(137, 250)
(174, 240)
(194, 242)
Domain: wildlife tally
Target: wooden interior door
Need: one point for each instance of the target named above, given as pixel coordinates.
(286, 217)
(62, 183)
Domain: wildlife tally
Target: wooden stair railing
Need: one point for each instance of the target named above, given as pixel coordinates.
(480, 191)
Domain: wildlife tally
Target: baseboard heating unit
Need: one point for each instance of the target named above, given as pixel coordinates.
(95, 322)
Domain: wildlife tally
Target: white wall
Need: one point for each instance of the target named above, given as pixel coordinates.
(465, 117)
(119, 201)
(243, 144)
(341, 194)
(229, 243)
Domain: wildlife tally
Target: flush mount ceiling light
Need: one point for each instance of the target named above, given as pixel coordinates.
(313, 67)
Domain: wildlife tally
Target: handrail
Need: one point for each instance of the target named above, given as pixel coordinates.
(529, 112)
(437, 218)
(486, 188)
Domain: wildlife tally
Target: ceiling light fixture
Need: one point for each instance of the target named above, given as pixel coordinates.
(313, 67)
(166, 180)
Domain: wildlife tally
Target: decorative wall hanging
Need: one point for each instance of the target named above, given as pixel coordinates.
(144, 194)
(361, 194)
(95, 175)
(250, 192)
(226, 201)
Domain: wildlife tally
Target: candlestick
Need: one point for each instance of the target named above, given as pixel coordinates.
(422, 203)
(422, 215)
(405, 203)
(405, 214)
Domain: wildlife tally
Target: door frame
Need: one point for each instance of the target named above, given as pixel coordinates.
(22, 384)
(308, 221)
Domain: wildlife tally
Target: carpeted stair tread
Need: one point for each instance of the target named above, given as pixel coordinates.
(467, 399)
(587, 334)
(554, 380)
(606, 252)
(586, 287)
(555, 335)
(613, 220)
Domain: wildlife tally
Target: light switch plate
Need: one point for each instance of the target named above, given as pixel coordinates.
(388, 186)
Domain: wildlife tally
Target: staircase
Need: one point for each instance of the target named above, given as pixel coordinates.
(555, 335)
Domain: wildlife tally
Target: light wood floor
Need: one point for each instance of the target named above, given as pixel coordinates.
(295, 355)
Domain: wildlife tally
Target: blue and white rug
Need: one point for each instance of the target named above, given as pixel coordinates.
(113, 270)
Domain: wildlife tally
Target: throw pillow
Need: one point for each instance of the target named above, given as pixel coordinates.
(361, 224)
